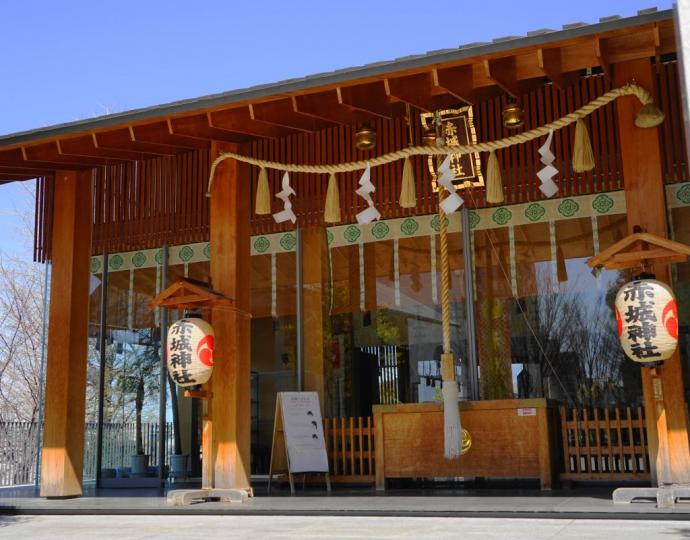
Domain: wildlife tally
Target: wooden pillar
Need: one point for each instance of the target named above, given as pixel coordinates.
(62, 458)
(316, 309)
(227, 427)
(667, 427)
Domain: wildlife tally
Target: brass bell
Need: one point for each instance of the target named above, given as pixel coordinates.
(429, 137)
(513, 115)
(365, 137)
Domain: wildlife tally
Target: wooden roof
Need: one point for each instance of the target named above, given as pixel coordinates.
(468, 74)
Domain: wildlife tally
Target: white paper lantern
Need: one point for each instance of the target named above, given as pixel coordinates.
(190, 351)
(647, 320)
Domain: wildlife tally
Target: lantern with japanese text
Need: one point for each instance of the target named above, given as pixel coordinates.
(647, 320)
(190, 351)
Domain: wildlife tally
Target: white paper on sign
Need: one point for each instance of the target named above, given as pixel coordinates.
(303, 428)
(286, 214)
(365, 190)
(445, 177)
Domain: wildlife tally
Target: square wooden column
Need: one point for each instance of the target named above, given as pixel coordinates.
(229, 434)
(667, 427)
(317, 335)
(62, 457)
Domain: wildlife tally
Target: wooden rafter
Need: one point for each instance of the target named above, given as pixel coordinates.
(200, 126)
(502, 71)
(85, 146)
(159, 132)
(282, 113)
(325, 106)
(457, 81)
(370, 98)
(239, 120)
(121, 139)
(414, 90)
(601, 52)
(48, 152)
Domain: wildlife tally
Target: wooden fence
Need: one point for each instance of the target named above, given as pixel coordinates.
(604, 444)
(350, 446)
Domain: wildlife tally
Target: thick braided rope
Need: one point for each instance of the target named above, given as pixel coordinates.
(445, 279)
(631, 89)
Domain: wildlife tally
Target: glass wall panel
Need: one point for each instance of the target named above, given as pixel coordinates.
(545, 326)
(131, 372)
(273, 346)
(680, 226)
(385, 323)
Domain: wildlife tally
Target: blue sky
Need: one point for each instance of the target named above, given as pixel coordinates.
(69, 60)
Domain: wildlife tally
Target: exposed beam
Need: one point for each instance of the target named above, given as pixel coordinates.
(549, 61)
(23, 171)
(370, 98)
(457, 81)
(5, 177)
(503, 72)
(86, 146)
(159, 133)
(48, 152)
(282, 113)
(325, 105)
(415, 90)
(238, 120)
(15, 158)
(200, 126)
(602, 56)
(121, 139)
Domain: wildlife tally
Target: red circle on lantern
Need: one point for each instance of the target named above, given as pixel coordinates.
(204, 350)
(619, 323)
(669, 318)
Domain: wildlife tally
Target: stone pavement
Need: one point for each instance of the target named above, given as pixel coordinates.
(311, 527)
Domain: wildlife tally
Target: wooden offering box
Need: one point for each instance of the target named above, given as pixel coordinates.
(510, 438)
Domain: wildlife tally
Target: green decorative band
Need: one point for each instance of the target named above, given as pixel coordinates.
(678, 195)
(583, 206)
(150, 258)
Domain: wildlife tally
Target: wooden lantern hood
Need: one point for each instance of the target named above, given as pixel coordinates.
(188, 293)
(640, 249)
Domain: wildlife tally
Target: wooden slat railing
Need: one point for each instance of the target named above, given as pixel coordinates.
(604, 444)
(350, 446)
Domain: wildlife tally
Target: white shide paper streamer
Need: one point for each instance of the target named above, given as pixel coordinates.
(365, 190)
(286, 214)
(548, 187)
(445, 177)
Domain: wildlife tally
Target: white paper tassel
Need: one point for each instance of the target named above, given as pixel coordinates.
(548, 187)
(452, 430)
(445, 177)
(370, 213)
(286, 214)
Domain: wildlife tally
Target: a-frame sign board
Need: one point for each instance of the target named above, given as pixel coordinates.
(299, 445)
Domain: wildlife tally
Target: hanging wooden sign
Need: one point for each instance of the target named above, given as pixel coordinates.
(647, 320)
(299, 445)
(189, 351)
(457, 128)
